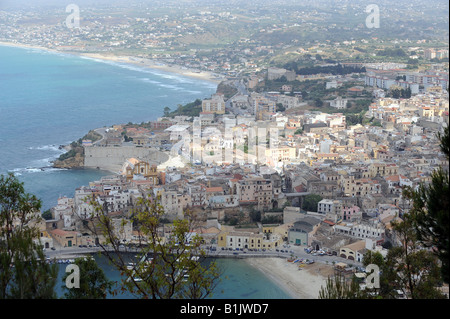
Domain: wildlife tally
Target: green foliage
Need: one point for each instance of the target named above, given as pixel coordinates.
(408, 267)
(190, 109)
(24, 273)
(338, 287)
(310, 202)
(91, 135)
(93, 282)
(280, 107)
(67, 155)
(353, 119)
(392, 52)
(126, 138)
(170, 267)
(166, 111)
(47, 215)
(272, 219)
(318, 102)
(397, 93)
(232, 221)
(255, 215)
(76, 146)
(430, 209)
(445, 142)
(333, 69)
(371, 257)
(376, 123)
(226, 89)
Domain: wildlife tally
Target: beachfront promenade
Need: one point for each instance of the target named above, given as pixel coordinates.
(216, 252)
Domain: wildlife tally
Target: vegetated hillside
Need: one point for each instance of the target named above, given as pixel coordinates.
(74, 157)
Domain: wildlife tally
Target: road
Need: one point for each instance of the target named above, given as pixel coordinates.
(289, 250)
(242, 90)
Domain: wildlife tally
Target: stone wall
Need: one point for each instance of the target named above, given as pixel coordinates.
(112, 157)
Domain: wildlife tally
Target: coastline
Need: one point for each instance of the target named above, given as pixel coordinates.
(151, 64)
(269, 266)
(137, 61)
(129, 60)
(299, 284)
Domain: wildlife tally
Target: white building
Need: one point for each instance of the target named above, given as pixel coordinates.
(327, 206)
(339, 103)
(367, 231)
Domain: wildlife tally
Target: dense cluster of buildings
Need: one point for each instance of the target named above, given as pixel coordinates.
(247, 175)
(403, 78)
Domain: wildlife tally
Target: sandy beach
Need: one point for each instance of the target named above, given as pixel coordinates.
(299, 284)
(142, 62)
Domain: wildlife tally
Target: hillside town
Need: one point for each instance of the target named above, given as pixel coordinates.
(299, 144)
(223, 38)
(258, 178)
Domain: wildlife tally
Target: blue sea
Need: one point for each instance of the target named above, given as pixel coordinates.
(50, 99)
(238, 280)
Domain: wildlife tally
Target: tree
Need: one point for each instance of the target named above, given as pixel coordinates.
(171, 264)
(318, 102)
(93, 282)
(338, 287)
(255, 215)
(280, 107)
(310, 202)
(396, 92)
(430, 210)
(24, 273)
(47, 215)
(409, 267)
(375, 258)
(166, 111)
(406, 93)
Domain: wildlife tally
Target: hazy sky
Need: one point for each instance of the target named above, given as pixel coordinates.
(33, 3)
(5, 4)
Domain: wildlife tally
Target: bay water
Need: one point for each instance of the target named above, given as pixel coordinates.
(49, 99)
(238, 280)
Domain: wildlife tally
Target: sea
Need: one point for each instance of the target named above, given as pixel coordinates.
(49, 99)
